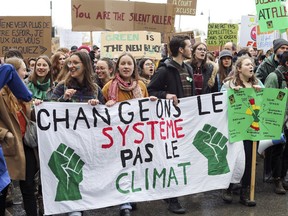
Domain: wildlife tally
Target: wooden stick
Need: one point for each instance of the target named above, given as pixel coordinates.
(253, 170)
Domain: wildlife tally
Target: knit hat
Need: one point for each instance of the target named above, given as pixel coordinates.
(277, 43)
(84, 47)
(225, 53)
(74, 48)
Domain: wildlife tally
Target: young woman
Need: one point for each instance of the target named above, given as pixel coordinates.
(225, 66)
(21, 160)
(203, 70)
(40, 82)
(104, 71)
(147, 69)
(243, 77)
(125, 86)
(57, 62)
(63, 73)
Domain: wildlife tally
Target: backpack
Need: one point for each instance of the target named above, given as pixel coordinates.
(280, 79)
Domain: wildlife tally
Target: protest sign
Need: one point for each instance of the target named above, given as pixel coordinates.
(248, 31)
(122, 16)
(184, 7)
(69, 38)
(265, 40)
(272, 15)
(30, 35)
(137, 150)
(139, 43)
(256, 115)
(221, 33)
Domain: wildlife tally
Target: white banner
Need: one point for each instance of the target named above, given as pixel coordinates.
(137, 150)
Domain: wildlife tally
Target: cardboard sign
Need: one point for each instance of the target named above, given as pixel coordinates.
(221, 33)
(184, 7)
(139, 43)
(248, 31)
(256, 115)
(272, 15)
(138, 150)
(121, 16)
(30, 35)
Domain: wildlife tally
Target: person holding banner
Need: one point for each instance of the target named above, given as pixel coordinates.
(172, 80)
(41, 81)
(9, 76)
(125, 86)
(21, 160)
(278, 79)
(104, 71)
(243, 77)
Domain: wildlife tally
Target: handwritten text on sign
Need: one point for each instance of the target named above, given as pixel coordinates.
(185, 7)
(121, 16)
(137, 150)
(221, 33)
(139, 43)
(30, 35)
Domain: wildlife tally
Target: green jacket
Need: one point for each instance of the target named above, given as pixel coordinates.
(272, 79)
(266, 67)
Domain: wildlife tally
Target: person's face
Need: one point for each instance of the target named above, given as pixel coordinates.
(22, 71)
(252, 52)
(228, 46)
(187, 51)
(126, 67)
(200, 52)
(61, 61)
(32, 65)
(76, 67)
(282, 49)
(102, 70)
(148, 67)
(246, 70)
(42, 68)
(226, 61)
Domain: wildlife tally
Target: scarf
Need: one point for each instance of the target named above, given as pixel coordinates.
(40, 90)
(118, 83)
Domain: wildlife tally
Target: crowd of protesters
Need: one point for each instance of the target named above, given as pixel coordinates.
(81, 75)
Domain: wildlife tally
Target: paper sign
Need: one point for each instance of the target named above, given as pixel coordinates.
(272, 15)
(30, 35)
(256, 115)
(184, 7)
(221, 33)
(248, 31)
(121, 16)
(139, 43)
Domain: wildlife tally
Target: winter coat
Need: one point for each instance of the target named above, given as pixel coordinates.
(167, 80)
(266, 67)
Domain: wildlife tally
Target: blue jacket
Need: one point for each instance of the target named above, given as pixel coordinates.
(9, 76)
(4, 176)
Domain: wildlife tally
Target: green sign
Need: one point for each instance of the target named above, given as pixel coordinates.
(272, 15)
(221, 33)
(256, 115)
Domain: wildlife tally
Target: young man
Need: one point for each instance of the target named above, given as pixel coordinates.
(173, 80)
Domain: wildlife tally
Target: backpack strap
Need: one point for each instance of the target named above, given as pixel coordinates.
(279, 78)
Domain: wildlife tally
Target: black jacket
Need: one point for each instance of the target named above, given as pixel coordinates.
(167, 80)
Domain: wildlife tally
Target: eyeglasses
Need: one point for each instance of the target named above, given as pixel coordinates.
(149, 64)
(74, 63)
(202, 49)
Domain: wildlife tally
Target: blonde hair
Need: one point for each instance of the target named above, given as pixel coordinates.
(15, 61)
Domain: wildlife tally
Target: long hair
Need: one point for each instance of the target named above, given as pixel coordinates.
(34, 77)
(236, 75)
(88, 80)
(135, 73)
(194, 60)
(55, 68)
(222, 71)
(64, 71)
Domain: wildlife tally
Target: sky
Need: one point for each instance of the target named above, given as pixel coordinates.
(219, 10)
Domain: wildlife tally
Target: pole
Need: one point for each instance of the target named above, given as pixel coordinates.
(253, 170)
(179, 25)
(91, 39)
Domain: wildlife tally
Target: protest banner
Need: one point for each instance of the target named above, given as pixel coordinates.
(256, 115)
(248, 31)
(272, 15)
(137, 150)
(139, 43)
(69, 38)
(221, 33)
(265, 40)
(122, 16)
(55, 44)
(184, 7)
(31, 35)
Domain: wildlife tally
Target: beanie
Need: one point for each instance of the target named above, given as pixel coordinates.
(225, 53)
(277, 43)
(84, 47)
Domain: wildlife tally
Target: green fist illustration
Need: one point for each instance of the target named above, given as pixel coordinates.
(212, 145)
(67, 166)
